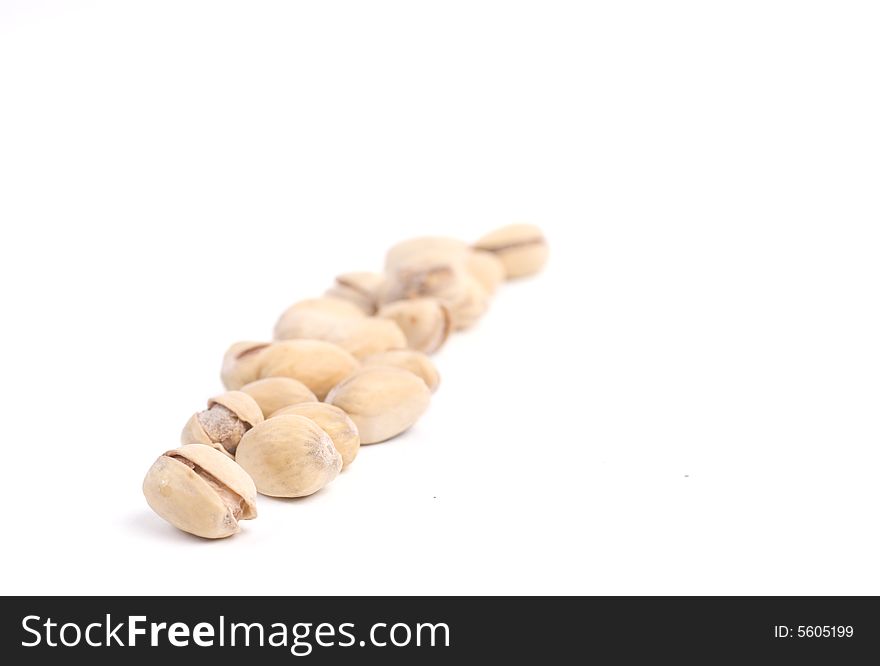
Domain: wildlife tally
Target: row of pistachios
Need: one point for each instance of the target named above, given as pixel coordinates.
(348, 368)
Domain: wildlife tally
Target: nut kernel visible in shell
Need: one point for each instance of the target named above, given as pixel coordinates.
(289, 456)
(426, 322)
(318, 364)
(201, 491)
(520, 247)
(241, 364)
(224, 422)
(383, 401)
(332, 420)
(273, 393)
(408, 359)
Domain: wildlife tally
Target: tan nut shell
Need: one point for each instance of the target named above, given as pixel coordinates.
(408, 359)
(273, 393)
(382, 401)
(424, 249)
(520, 247)
(241, 364)
(289, 456)
(334, 422)
(360, 336)
(486, 268)
(426, 322)
(360, 288)
(318, 364)
(202, 501)
(468, 303)
(241, 404)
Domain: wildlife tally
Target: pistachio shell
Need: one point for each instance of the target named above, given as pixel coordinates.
(408, 359)
(486, 268)
(289, 456)
(194, 433)
(273, 393)
(424, 249)
(360, 288)
(332, 420)
(468, 303)
(520, 247)
(425, 322)
(382, 401)
(318, 364)
(359, 336)
(201, 491)
(241, 404)
(241, 364)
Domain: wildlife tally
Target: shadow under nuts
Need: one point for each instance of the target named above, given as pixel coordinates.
(228, 417)
(289, 456)
(201, 491)
(273, 393)
(382, 401)
(520, 247)
(318, 364)
(332, 420)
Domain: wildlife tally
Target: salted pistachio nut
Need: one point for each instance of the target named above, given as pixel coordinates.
(332, 420)
(520, 247)
(358, 287)
(273, 393)
(371, 335)
(486, 268)
(201, 491)
(221, 426)
(426, 322)
(382, 401)
(318, 364)
(314, 318)
(440, 280)
(241, 364)
(424, 249)
(408, 359)
(289, 456)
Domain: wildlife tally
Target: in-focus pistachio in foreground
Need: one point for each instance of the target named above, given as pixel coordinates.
(201, 491)
(383, 401)
(289, 456)
(332, 420)
(318, 364)
(228, 417)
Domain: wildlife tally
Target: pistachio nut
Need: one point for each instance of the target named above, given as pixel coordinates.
(201, 491)
(332, 420)
(467, 303)
(359, 335)
(425, 322)
(408, 359)
(289, 456)
(486, 268)
(382, 401)
(228, 417)
(318, 364)
(241, 364)
(520, 247)
(424, 249)
(360, 288)
(273, 393)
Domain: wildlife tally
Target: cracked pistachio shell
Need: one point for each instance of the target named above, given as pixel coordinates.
(520, 247)
(408, 359)
(241, 406)
(486, 268)
(426, 322)
(289, 456)
(201, 491)
(424, 249)
(382, 401)
(273, 393)
(241, 364)
(360, 288)
(332, 420)
(318, 364)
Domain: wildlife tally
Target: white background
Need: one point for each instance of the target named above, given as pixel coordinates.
(685, 401)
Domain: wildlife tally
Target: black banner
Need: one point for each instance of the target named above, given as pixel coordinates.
(436, 630)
